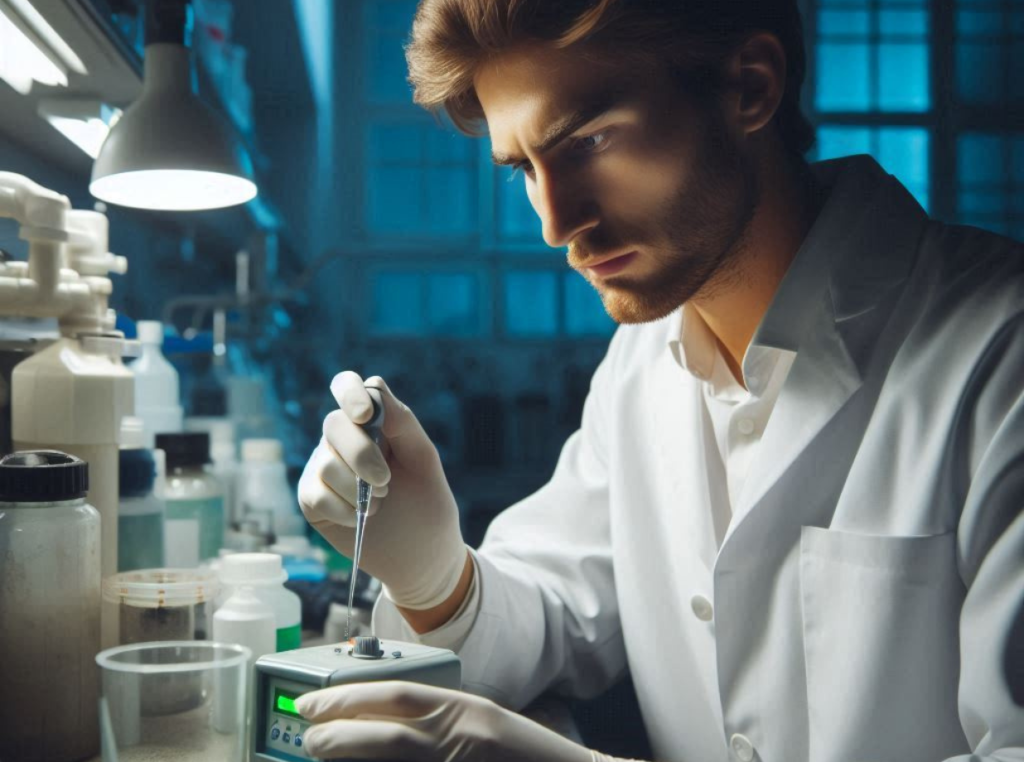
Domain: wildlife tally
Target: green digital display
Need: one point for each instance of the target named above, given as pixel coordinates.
(284, 702)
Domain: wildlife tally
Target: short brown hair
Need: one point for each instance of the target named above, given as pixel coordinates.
(451, 38)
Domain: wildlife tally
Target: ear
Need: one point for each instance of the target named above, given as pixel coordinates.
(757, 73)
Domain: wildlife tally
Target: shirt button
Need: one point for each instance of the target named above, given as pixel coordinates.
(702, 608)
(746, 426)
(741, 747)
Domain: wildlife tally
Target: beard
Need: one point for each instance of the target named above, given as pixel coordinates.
(700, 235)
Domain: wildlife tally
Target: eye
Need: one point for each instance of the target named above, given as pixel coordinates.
(591, 143)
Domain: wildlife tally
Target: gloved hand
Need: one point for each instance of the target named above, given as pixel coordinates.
(412, 543)
(407, 721)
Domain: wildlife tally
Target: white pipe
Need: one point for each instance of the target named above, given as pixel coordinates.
(44, 266)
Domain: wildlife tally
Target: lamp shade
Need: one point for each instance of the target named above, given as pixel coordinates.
(170, 151)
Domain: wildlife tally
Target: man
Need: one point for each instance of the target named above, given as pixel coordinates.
(793, 508)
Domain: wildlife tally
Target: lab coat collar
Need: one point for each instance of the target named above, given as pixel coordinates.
(830, 309)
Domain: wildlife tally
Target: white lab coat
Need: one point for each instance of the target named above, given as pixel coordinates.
(861, 598)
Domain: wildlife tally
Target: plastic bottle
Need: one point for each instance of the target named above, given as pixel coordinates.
(194, 528)
(140, 519)
(248, 621)
(224, 457)
(157, 392)
(264, 573)
(49, 608)
(263, 488)
(71, 397)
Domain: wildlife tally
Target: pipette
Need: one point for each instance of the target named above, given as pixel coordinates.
(364, 493)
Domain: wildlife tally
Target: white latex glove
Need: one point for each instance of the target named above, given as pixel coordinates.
(412, 543)
(407, 721)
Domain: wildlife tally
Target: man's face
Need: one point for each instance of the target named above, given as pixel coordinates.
(624, 170)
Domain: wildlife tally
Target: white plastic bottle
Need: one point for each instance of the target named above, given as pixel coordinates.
(244, 620)
(265, 576)
(157, 392)
(263, 490)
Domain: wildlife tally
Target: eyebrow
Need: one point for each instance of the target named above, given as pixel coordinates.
(560, 130)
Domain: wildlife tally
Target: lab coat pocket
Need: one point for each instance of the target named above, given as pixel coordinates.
(880, 625)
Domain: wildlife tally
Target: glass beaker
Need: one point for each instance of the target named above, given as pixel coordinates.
(213, 730)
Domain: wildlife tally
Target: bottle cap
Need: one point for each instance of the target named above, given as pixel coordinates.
(150, 331)
(252, 569)
(262, 450)
(136, 473)
(188, 449)
(42, 476)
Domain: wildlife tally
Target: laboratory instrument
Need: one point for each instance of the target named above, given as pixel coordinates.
(194, 528)
(157, 605)
(281, 678)
(140, 519)
(72, 394)
(157, 388)
(49, 608)
(129, 733)
(364, 494)
(264, 575)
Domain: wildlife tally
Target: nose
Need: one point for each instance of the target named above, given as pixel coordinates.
(565, 209)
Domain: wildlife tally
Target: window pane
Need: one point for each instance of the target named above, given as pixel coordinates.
(449, 204)
(394, 200)
(974, 22)
(453, 304)
(979, 73)
(517, 221)
(990, 203)
(843, 77)
(904, 22)
(843, 23)
(980, 159)
(446, 146)
(531, 303)
(834, 142)
(394, 144)
(398, 304)
(903, 151)
(584, 313)
(904, 77)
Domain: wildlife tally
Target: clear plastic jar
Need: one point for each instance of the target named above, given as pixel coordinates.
(49, 608)
(194, 498)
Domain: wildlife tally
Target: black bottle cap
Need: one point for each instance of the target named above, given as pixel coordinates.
(184, 450)
(42, 476)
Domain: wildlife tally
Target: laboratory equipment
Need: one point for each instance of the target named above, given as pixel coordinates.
(49, 608)
(281, 678)
(364, 494)
(157, 605)
(194, 529)
(263, 489)
(140, 531)
(224, 460)
(265, 576)
(71, 395)
(130, 734)
(157, 389)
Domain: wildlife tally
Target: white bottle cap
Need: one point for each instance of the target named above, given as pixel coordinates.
(150, 331)
(133, 434)
(262, 450)
(252, 569)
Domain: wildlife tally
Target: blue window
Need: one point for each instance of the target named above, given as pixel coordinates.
(903, 151)
(408, 303)
(387, 26)
(584, 313)
(516, 220)
(989, 52)
(421, 180)
(872, 56)
(531, 303)
(990, 182)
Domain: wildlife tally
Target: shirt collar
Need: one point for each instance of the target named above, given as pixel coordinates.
(848, 182)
